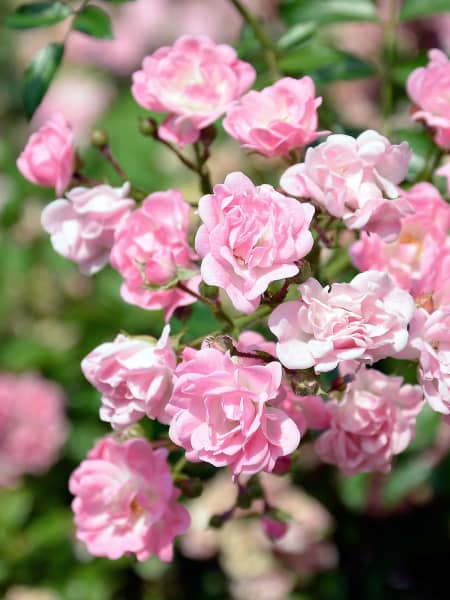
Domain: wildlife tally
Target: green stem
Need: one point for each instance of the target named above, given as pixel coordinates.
(179, 466)
(389, 39)
(203, 171)
(270, 53)
(432, 161)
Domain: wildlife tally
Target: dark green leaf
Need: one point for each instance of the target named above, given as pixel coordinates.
(327, 11)
(38, 15)
(414, 9)
(39, 75)
(95, 22)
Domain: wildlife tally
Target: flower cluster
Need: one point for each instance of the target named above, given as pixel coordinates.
(254, 257)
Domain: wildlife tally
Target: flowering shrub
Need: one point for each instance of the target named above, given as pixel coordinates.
(272, 355)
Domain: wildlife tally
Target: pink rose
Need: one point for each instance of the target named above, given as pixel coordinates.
(49, 156)
(251, 235)
(366, 320)
(82, 227)
(195, 80)
(277, 119)
(413, 259)
(428, 88)
(372, 423)
(125, 501)
(430, 339)
(221, 413)
(134, 376)
(307, 412)
(354, 179)
(150, 246)
(32, 425)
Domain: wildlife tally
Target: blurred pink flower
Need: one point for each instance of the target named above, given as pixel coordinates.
(414, 258)
(428, 87)
(354, 179)
(32, 425)
(366, 320)
(49, 156)
(134, 376)
(125, 501)
(82, 226)
(221, 413)
(150, 246)
(277, 119)
(251, 235)
(372, 423)
(195, 80)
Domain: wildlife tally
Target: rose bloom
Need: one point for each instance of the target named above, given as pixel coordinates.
(82, 226)
(49, 156)
(251, 235)
(33, 427)
(428, 87)
(430, 343)
(150, 245)
(125, 501)
(307, 412)
(366, 320)
(354, 179)
(277, 119)
(195, 80)
(413, 259)
(373, 422)
(134, 376)
(221, 413)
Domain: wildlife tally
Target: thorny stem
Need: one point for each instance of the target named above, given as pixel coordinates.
(269, 50)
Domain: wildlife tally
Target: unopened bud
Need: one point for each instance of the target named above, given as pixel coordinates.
(283, 465)
(273, 527)
(99, 138)
(216, 521)
(148, 126)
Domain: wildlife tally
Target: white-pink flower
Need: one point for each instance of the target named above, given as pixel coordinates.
(134, 376)
(82, 225)
(195, 81)
(251, 235)
(373, 422)
(366, 320)
(430, 343)
(356, 180)
(414, 258)
(49, 156)
(221, 412)
(428, 87)
(125, 501)
(277, 119)
(150, 246)
(33, 427)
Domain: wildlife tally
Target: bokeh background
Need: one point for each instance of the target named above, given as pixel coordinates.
(362, 537)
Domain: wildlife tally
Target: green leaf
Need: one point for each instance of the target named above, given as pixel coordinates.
(296, 35)
(39, 74)
(414, 9)
(38, 15)
(327, 11)
(95, 22)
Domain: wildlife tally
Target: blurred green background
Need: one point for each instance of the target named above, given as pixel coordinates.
(388, 537)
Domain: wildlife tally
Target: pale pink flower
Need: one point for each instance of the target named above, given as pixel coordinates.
(430, 343)
(428, 87)
(48, 159)
(195, 81)
(83, 224)
(134, 376)
(251, 235)
(221, 412)
(33, 427)
(366, 320)
(277, 119)
(125, 501)
(413, 259)
(354, 179)
(307, 412)
(372, 423)
(151, 245)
